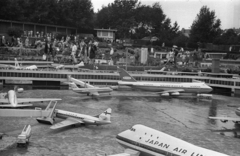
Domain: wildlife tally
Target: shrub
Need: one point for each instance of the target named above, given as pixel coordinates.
(15, 31)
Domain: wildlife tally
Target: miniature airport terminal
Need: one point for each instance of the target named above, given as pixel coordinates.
(117, 86)
(185, 118)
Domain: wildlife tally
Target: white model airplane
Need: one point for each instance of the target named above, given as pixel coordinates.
(17, 66)
(164, 88)
(48, 115)
(81, 64)
(76, 118)
(226, 119)
(87, 88)
(142, 140)
(10, 100)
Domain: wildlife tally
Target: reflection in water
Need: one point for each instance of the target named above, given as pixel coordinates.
(212, 112)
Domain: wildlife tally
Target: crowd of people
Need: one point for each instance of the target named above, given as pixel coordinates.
(73, 47)
(176, 55)
(78, 49)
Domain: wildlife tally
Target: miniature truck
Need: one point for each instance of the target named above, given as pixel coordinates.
(23, 138)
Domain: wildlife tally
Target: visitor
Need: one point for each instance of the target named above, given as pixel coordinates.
(187, 58)
(3, 41)
(92, 52)
(73, 53)
(175, 57)
(183, 58)
(27, 42)
(13, 41)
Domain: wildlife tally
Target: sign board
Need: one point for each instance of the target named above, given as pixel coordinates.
(127, 44)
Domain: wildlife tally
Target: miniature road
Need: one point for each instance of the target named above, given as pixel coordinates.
(183, 117)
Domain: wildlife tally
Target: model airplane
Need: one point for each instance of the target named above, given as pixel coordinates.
(87, 88)
(4, 95)
(10, 100)
(76, 118)
(164, 88)
(147, 141)
(17, 66)
(48, 115)
(225, 119)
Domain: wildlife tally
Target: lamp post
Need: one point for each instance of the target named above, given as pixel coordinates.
(126, 45)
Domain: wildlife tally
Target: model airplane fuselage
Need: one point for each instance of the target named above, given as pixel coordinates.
(163, 88)
(197, 87)
(150, 142)
(86, 119)
(88, 89)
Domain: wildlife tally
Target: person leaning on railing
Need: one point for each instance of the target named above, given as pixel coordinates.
(3, 41)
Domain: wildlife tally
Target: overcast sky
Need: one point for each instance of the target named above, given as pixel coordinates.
(185, 11)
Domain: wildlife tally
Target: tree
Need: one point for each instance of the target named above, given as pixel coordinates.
(73, 13)
(133, 20)
(15, 31)
(119, 15)
(205, 27)
(229, 37)
(180, 40)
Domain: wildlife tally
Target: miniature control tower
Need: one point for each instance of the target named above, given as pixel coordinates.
(216, 61)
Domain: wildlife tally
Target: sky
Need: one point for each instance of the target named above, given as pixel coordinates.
(185, 11)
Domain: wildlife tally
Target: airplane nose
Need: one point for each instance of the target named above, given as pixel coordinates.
(209, 89)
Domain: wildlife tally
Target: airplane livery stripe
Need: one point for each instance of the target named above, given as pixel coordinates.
(150, 148)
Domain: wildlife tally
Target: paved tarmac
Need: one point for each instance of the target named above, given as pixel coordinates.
(183, 117)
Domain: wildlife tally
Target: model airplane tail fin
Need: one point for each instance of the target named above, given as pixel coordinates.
(69, 77)
(49, 119)
(73, 85)
(16, 63)
(124, 75)
(106, 115)
(163, 68)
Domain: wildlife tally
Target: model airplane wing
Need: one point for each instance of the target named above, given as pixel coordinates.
(225, 118)
(15, 106)
(171, 91)
(128, 152)
(67, 122)
(121, 154)
(4, 101)
(30, 100)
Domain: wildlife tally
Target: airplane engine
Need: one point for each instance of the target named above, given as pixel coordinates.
(88, 121)
(3, 95)
(12, 98)
(205, 96)
(236, 122)
(165, 94)
(20, 90)
(114, 87)
(224, 121)
(175, 94)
